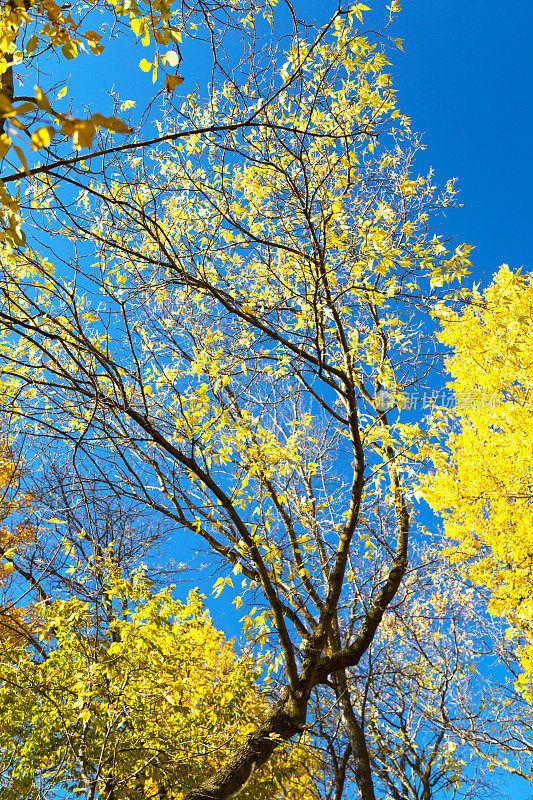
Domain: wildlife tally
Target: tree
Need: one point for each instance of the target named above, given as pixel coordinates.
(81, 525)
(38, 38)
(482, 481)
(137, 709)
(35, 34)
(437, 710)
(54, 530)
(241, 304)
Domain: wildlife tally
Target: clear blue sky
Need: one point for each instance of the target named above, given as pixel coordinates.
(465, 79)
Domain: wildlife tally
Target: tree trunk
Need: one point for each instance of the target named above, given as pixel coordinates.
(356, 737)
(286, 720)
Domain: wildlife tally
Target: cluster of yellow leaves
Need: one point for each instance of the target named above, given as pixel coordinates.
(158, 700)
(344, 88)
(35, 26)
(49, 26)
(29, 31)
(482, 485)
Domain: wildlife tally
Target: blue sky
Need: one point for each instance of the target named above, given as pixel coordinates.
(465, 79)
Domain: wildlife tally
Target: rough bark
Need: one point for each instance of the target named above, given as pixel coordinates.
(356, 737)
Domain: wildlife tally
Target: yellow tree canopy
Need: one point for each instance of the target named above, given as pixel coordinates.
(483, 480)
(31, 32)
(38, 39)
(142, 707)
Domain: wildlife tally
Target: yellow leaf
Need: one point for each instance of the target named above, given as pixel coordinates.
(41, 99)
(83, 134)
(33, 43)
(170, 699)
(136, 24)
(171, 59)
(175, 35)
(42, 137)
(358, 9)
(145, 65)
(5, 144)
(20, 152)
(117, 125)
(69, 50)
(92, 36)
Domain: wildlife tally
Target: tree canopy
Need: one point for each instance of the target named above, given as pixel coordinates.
(481, 484)
(216, 336)
(139, 707)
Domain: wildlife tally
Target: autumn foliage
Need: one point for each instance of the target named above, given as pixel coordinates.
(482, 481)
(153, 700)
(17, 533)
